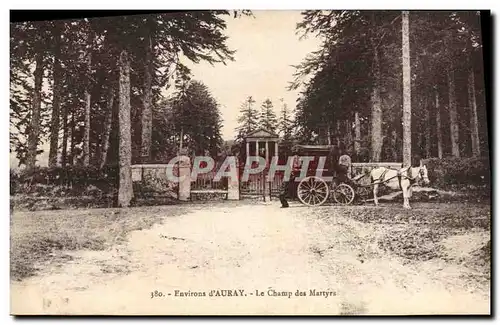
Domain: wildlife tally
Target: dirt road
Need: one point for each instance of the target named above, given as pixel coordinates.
(302, 260)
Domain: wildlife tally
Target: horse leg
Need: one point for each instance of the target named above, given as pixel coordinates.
(375, 190)
(406, 200)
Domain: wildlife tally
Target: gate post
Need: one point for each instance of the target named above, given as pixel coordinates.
(267, 191)
(233, 183)
(185, 182)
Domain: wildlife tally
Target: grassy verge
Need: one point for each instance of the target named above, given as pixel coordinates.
(418, 234)
(44, 236)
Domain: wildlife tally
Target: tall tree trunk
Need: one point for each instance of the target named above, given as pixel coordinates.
(72, 157)
(107, 127)
(64, 153)
(337, 132)
(376, 129)
(321, 135)
(147, 113)
(34, 133)
(438, 127)
(427, 128)
(348, 132)
(86, 134)
(476, 151)
(406, 90)
(420, 137)
(125, 190)
(454, 132)
(394, 145)
(357, 133)
(181, 139)
(54, 128)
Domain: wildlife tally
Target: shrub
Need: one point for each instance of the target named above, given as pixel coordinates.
(78, 176)
(14, 181)
(459, 171)
(45, 188)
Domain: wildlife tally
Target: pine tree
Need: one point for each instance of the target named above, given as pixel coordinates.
(406, 91)
(355, 45)
(29, 60)
(248, 119)
(125, 190)
(34, 134)
(21, 91)
(107, 127)
(476, 151)
(362, 49)
(147, 111)
(267, 118)
(196, 119)
(285, 123)
(452, 106)
(201, 39)
(56, 101)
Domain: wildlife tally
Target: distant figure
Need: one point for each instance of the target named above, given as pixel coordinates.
(287, 186)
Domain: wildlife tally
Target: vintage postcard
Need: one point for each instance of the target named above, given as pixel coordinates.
(246, 162)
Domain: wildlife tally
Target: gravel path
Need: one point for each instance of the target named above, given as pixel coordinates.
(247, 250)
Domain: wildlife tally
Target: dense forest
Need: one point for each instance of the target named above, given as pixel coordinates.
(354, 90)
(353, 93)
(72, 81)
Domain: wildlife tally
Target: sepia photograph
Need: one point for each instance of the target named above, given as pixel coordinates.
(250, 162)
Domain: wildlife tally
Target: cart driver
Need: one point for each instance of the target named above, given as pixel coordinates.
(287, 186)
(344, 167)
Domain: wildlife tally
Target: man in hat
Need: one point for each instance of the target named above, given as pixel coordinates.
(344, 167)
(288, 185)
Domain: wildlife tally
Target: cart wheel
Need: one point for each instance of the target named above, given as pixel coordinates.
(343, 194)
(312, 191)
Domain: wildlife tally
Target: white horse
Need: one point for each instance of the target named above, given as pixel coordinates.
(399, 179)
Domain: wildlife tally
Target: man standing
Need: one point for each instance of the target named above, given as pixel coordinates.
(287, 186)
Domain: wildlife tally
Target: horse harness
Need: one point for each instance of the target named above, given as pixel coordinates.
(399, 176)
(409, 176)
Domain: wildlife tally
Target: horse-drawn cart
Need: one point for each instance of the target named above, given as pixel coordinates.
(322, 183)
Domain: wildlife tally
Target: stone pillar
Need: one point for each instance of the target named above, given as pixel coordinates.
(276, 148)
(257, 152)
(185, 182)
(233, 185)
(267, 153)
(248, 150)
(267, 193)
